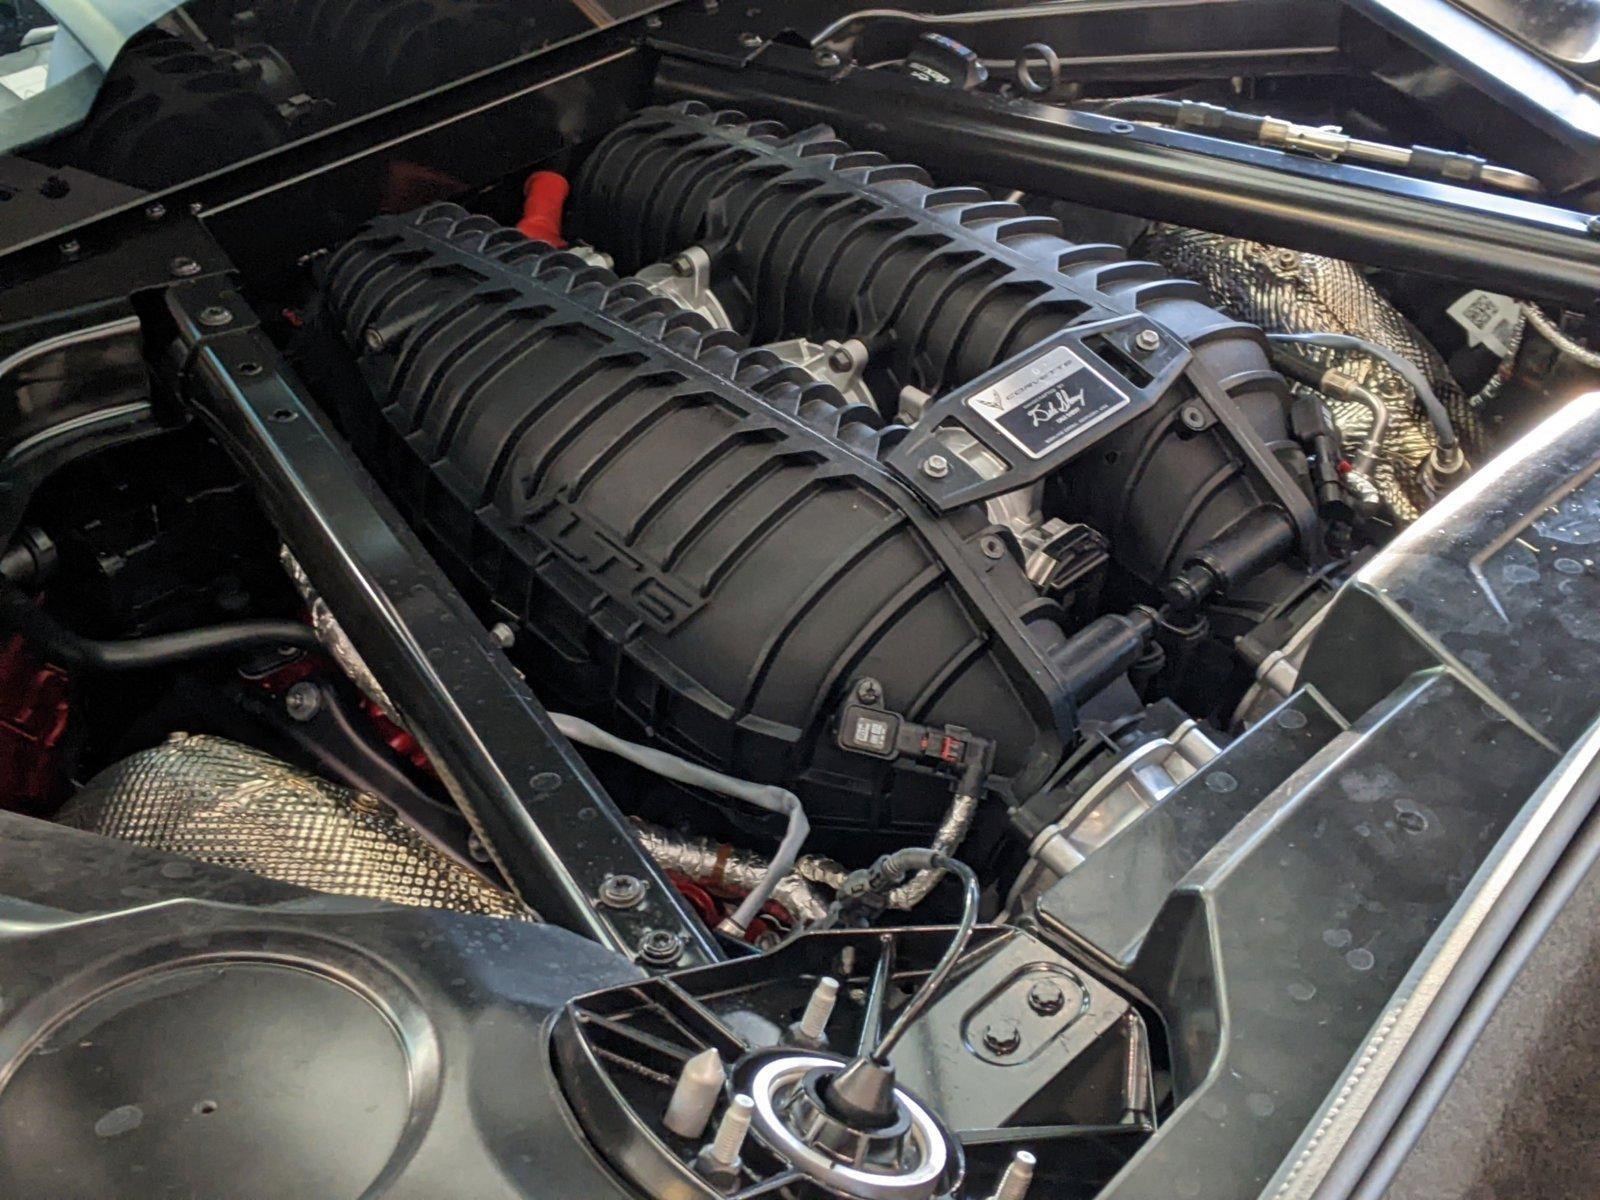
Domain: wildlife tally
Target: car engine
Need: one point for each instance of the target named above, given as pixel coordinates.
(720, 602)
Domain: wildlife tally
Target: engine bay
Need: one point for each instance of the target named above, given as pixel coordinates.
(767, 603)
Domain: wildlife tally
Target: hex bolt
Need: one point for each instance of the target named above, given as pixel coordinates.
(683, 266)
(622, 891)
(504, 636)
(731, 1132)
(1002, 1036)
(694, 1096)
(936, 466)
(751, 41)
(1019, 1174)
(215, 316)
(1046, 998)
(303, 701)
(814, 1021)
(1147, 341)
(826, 58)
(660, 947)
(182, 267)
(869, 691)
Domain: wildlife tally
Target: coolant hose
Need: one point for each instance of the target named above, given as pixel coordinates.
(681, 770)
(58, 644)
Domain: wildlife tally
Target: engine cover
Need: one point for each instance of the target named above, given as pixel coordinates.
(698, 535)
(811, 238)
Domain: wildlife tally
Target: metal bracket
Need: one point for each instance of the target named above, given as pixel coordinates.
(549, 826)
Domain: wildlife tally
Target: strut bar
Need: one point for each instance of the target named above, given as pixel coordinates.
(1518, 246)
(544, 818)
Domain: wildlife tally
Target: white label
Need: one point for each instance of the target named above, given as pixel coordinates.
(1489, 319)
(1048, 401)
(28, 82)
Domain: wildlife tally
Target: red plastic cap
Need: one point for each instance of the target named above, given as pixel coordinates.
(544, 196)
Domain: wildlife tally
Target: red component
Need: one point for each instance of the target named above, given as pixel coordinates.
(396, 738)
(34, 708)
(704, 905)
(544, 196)
(952, 750)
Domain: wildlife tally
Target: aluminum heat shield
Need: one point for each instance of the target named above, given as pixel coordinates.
(217, 801)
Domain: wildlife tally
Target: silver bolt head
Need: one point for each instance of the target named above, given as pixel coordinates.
(1147, 340)
(1002, 1036)
(660, 947)
(215, 316)
(504, 636)
(936, 466)
(1046, 998)
(303, 701)
(622, 891)
(182, 267)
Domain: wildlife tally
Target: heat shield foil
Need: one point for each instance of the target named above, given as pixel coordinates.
(214, 800)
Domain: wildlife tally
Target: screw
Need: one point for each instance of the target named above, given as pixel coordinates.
(936, 466)
(303, 701)
(1193, 417)
(813, 1024)
(504, 636)
(992, 546)
(1147, 341)
(660, 947)
(154, 212)
(869, 691)
(1002, 1036)
(731, 1132)
(182, 267)
(215, 316)
(751, 41)
(1285, 259)
(372, 338)
(683, 266)
(826, 58)
(1019, 1174)
(1046, 998)
(621, 891)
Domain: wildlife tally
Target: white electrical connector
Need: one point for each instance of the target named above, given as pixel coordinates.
(1019, 1174)
(695, 1096)
(814, 1021)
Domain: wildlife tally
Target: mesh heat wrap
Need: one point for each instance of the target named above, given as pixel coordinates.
(217, 801)
(1285, 291)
